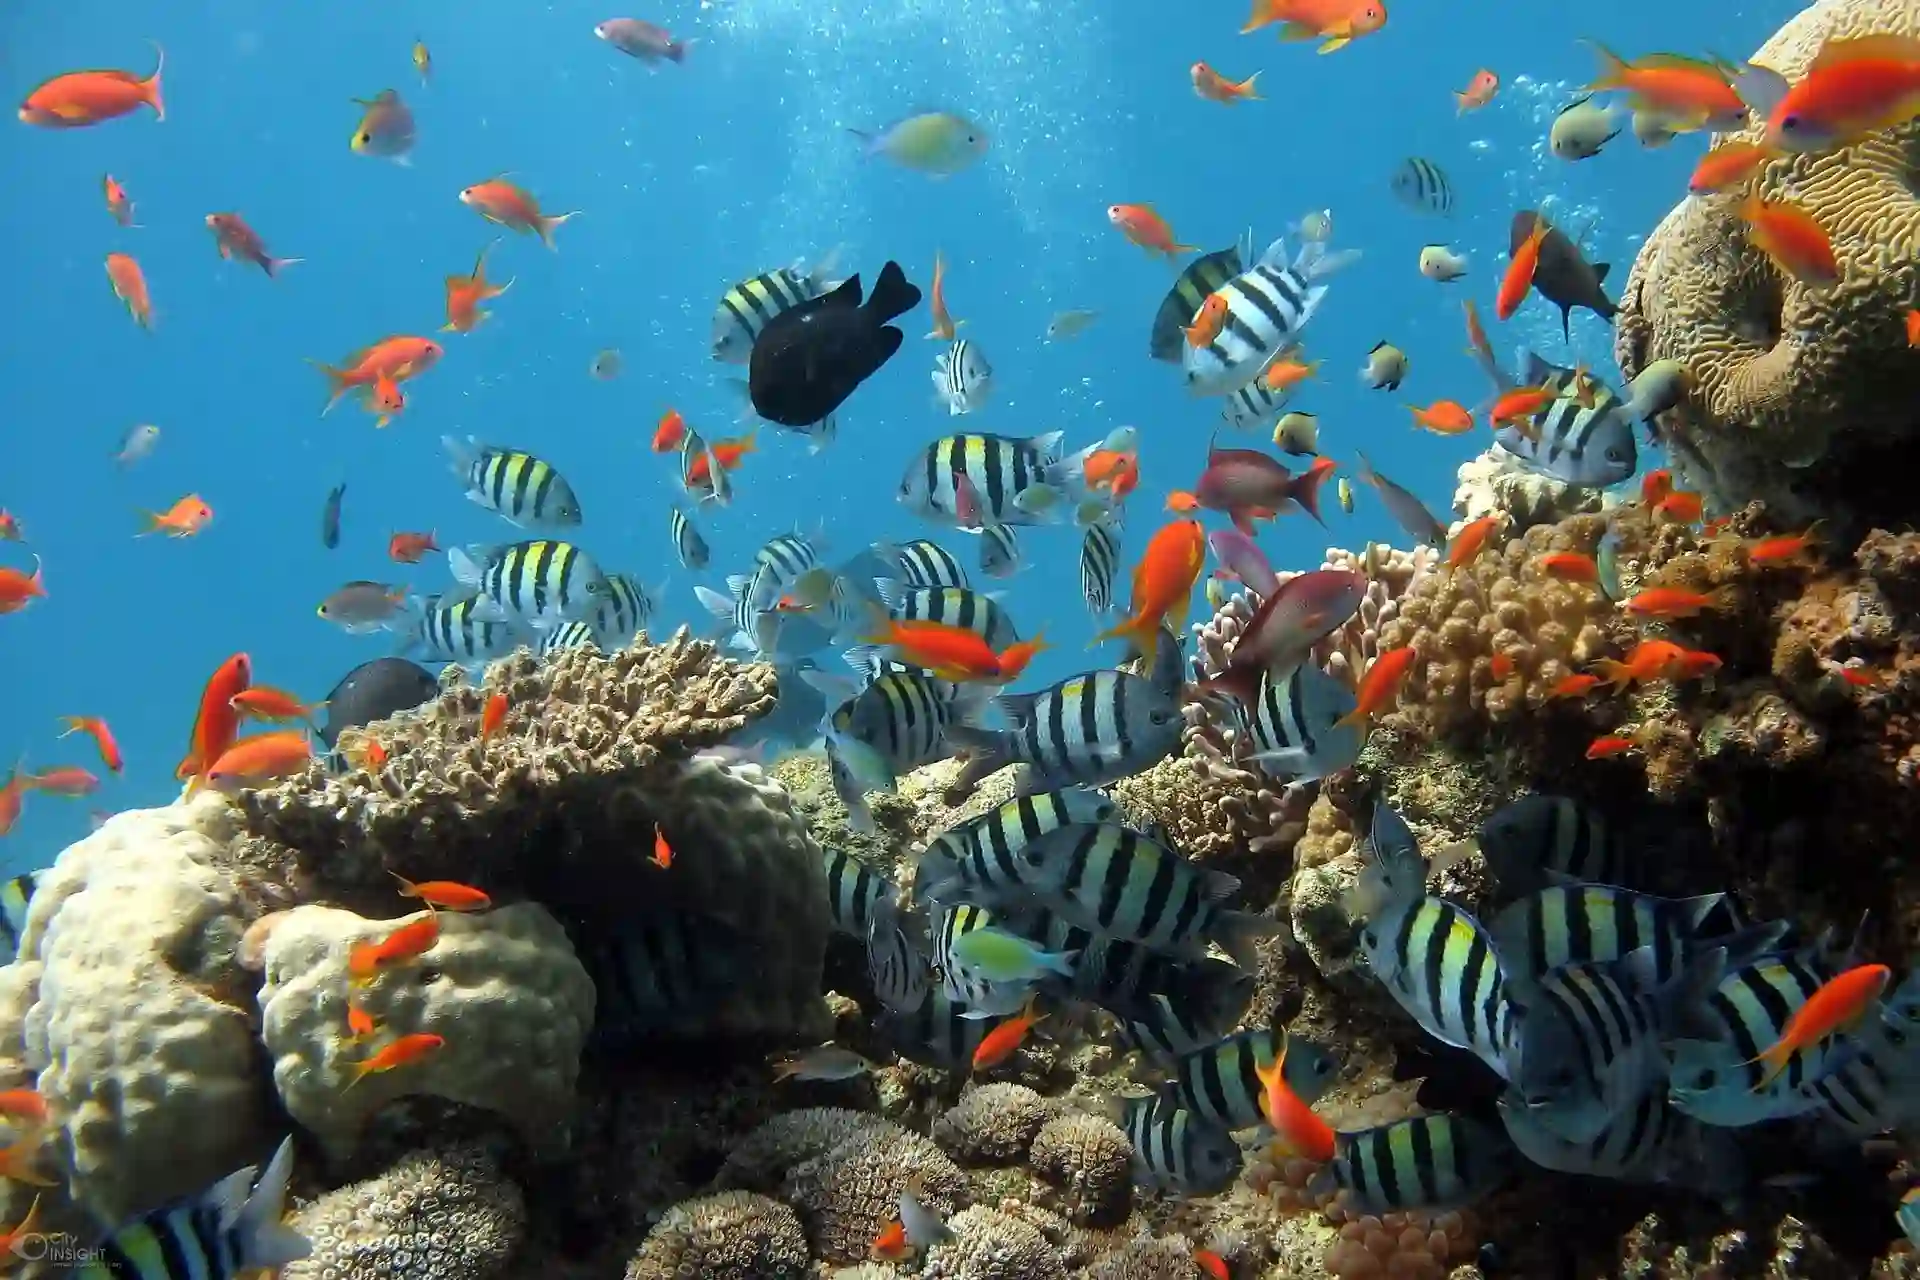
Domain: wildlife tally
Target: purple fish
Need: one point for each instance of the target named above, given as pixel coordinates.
(642, 40)
(1297, 616)
(1241, 556)
(1245, 483)
(1404, 507)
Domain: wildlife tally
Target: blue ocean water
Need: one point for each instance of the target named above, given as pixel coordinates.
(688, 180)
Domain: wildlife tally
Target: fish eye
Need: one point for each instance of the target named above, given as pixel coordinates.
(364, 138)
(1789, 123)
(1706, 1078)
(1896, 1036)
(1560, 1079)
(1616, 455)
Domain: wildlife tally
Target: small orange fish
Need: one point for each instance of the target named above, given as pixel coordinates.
(1569, 566)
(510, 206)
(409, 548)
(1212, 1263)
(1856, 86)
(662, 851)
(891, 1244)
(1477, 344)
(409, 942)
(259, 702)
(1340, 21)
(96, 728)
(1608, 748)
(1858, 677)
(449, 894)
(1473, 535)
(1667, 603)
(364, 754)
(1285, 374)
(261, 758)
(23, 1107)
(945, 327)
(1108, 470)
(1146, 228)
(80, 98)
(183, 519)
(670, 433)
(1501, 665)
(1182, 502)
(69, 781)
(385, 400)
(1163, 583)
(407, 1049)
(1214, 87)
(1913, 328)
(1520, 404)
(727, 452)
(18, 590)
(13, 798)
(1682, 505)
(1293, 1121)
(1443, 417)
(1478, 93)
(493, 716)
(1000, 1043)
(1656, 485)
(1208, 320)
(360, 1023)
(1650, 660)
(394, 358)
(1838, 1006)
(1380, 686)
(9, 527)
(1519, 274)
(948, 651)
(119, 203)
(1684, 93)
(466, 293)
(1714, 527)
(130, 286)
(1793, 238)
(1575, 686)
(1727, 166)
(235, 239)
(1784, 550)
(216, 722)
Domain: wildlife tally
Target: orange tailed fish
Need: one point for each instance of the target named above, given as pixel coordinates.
(1208, 320)
(1855, 87)
(1284, 374)
(96, 728)
(503, 203)
(261, 758)
(1214, 87)
(398, 357)
(1569, 566)
(1685, 93)
(1163, 583)
(1000, 1043)
(494, 715)
(1727, 166)
(466, 293)
(409, 548)
(407, 1049)
(1212, 1263)
(1656, 485)
(18, 590)
(80, 98)
(70, 781)
(1380, 686)
(13, 797)
(672, 430)
(1575, 686)
(1341, 22)
(235, 239)
(944, 325)
(1609, 747)
(216, 723)
(1793, 239)
(1838, 1006)
(1472, 537)
(662, 851)
(1520, 404)
(183, 519)
(448, 894)
(1478, 93)
(130, 286)
(1146, 228)
(1501, 666)
(409, 942)
(1783, 550)
(360, 1023)
(1519, 275)
(119, 203)
(259, 702)
(1295, 1123)
(1682, 506)
(1667, 603)
(1443, 417)
(891, 1244)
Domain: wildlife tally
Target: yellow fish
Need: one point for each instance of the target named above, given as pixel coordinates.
(422, 60)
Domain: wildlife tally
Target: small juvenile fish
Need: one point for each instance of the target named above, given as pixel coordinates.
(1478, 93)
(137, 444)
(330, 518)
(1421, 184)
(940, 143)
(1441, 264)
(643, 40)
(385, 129)
(1582, 129)
(826, 1062)
(607, 365)
(1385, 368)
(1298, 434)
(361, 607)
(1070, 324)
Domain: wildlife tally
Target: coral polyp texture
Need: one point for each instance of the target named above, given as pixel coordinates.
(1804, 395)
(443, 1214)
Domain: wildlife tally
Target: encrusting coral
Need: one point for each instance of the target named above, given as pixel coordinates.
(1089, 1161)
(446, 1214)
(1498, 482)
(1804, 395)
(993, 1123)
(734, 1235)
(990, 1245)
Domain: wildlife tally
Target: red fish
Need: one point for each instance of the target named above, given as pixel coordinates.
(448, 894)
(69, 781)
(217, 722)
(1292, 1119)
(410, 941)
(1340, 21)
(96, 728)
(80, 98)
(1000, 1043)
(493, 716)
(119, 203)
(18, 590)
(1380, 686)
(1656, 485)
(1609, 747)
(1247, 485)
(662, 851)
(1162, 587)
(1519, 275)
(1501, 665)
(510, 206)
(1793, 238)
(238, 240)
(1787, 549)
(261, 758)
(1293, 618)
(670, 433)
(1676, 602)
(1838, 1006)
(1212, 1263)
(263, 703)
(1478, 93)
(1575, 686)
(1471, 539)
(408, 548)
(13, 798)
(1726, 166)
(130, 286)
(466, 293)
(1146, 228)
(407, 1049)
(1855, 87)
(1569, 566)
(1214, 87)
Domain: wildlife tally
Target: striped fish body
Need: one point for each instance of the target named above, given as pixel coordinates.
(982, 998)
(1221, 1083)
(953, 606)
(16, 897)
(1295, 724)
(569, 635)
(1650, 1142)
(1166, 1029)
(1587, 446)
(987, 861)
(233, 1229)
(1132, 981)
(1427, 1162)
(924, 563)
(1267, 307)
(1587, 1047)
(748, 306)
(539, 583)
(657, 969)
(779, 564)
(1175, 1150)
(514, 484)
(753, 630)
(904, 718)
(1099, 558)
(1577, 923)
(897, 964)
(962, 378)
(999, 468)
(448, 631)
(999, 551)
(1421, 184)
(622, 613)
(1536, 835)
(688, 545)
(1112, 880)
(1254, 407)
(941, 1033)
(1088, 730)
(1201, 277)
(854, 889)
(1876, 1087)
(1441, 966)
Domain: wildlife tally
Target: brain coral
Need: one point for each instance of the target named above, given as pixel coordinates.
(992, 1124)
(849, 1194)
(1788, 375)
(435, 1215)
(1090, 1161)
(735, 1235)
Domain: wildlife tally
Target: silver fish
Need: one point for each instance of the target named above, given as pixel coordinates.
(999, 551)
(511, 483)
(962, 378)
(1090, 729)
(923, 563)
(1427, 1162)
(1406, 510)
(688, 545)
(539, 583)
(1421, 184)
(1267, 307)
(1099, 557)
(1175, 1150)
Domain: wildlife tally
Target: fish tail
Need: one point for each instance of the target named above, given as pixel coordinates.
(1176, 249)
(1142, 634)
(1263, 13)
(1613, 672)
(1613, 68)
(274, 266)
(150, 87)
(1247, 89)
(339, 382)
(893, 294)
(1305, 490)
(548, 223)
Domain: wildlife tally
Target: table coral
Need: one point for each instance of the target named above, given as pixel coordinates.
(1789, 375)
(435, 1215)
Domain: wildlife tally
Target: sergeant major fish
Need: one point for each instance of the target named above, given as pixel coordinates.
(1421, 184)
(622, 614)
(539, 583)
(745, 309)
(1099, 557)
(1199, 280)
(1007, 480)
(962, 378)
(528, 492)
(1588, 446)
(989, 859)
(923, 563)
(234, 1228)
(1175, 1150)
(854, 890)
(954, 606)
(448, 631)
(1221, 1085)
(1427, 1162)
(1267, 307)
(999, 551)
(1090, 729)
(1298, 724)
(897, 964)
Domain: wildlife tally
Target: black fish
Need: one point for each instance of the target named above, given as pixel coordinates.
(330, 518)
(809, 358)
(373, 691)
(1563, 277)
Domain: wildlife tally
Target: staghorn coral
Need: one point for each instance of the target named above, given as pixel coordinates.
(992, 1124)
(562, 807)
(734, 1235)
(990, 1245)
(1497, 482)
(503, 989)
(435, 1215)
(1089, 1161)
(1787, 374)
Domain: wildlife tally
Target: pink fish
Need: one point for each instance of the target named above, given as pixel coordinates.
(1288, 623)
(1241, 556)
(642, 40)
(1248, 485)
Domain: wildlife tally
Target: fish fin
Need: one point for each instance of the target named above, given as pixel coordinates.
(893, 296)
(1237, 932)
(1218, 886)
(991, 748)
(1018, 708)
(1285, 762)
(891, 592)
(1698, 909)
(1761, 88)
(1242, 683)
(719, 606)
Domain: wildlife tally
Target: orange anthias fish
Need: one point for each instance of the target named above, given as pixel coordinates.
(891, 1244)
(217, 722)
(407, 1049)
(1575, 686)
(81, 98)
(1000, 1043)
(1284, 373)
(1146, 228)
(1650, 660)
(1162, 587)
(1521, 404)
(1212, 1263)
(261, 758)
(662, 851)
(944, 325)
(1727, 166)
(363, 753)
(385, 401)
(1443, 417)
(13, 797)
(1793, 239)
(1181, 502)
(261, 702)
(130, 286)
(1676, 602)
(235, 239)
(1380, 686)
(1838, 1006)
(466, 293)
(1340, 21)
(183, 519)
(1214, 87)
(1681, 505)
(671, 431)
(398, 357)
(1518, 279)
(727, 452)
(1656, 485)
(1684, 93)
(951, 652)
(500, 201)
(1477, 344)
(1472, 537)
(360, 1023)
(493, 716)
(119, 203)
(1207, 321)
(96, 728)
(1569, 566)
(1478, 93)
(408, 548)
(1293, 1121)
(1783, 550)
(70, 781)
(9, 526)
(1853, 88)
(409, 942)
(18, 590)
(1913, 328)
(1609, 747)
(448, 894)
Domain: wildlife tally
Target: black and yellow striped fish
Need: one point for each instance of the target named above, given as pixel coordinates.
(1007, 479)
(514, 484)
(232, 1229)
(1427, 1162)
(539, 583)
(1221, 1083)
(746, 308)
(1202, 276)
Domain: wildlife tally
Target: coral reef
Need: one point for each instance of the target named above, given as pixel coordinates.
(992, 1124)
(1789, 375)
(1088, 1160)
(734, 1235)
(990, 1245)
(1498, 483)
(435, 1215)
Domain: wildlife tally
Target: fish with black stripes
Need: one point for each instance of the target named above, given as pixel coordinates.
(513, 484)
(984, 995)
(999, 551)
(1571, 923)
(1128, 978)
(1099, 558)
(1197, 281)
(568, 635)
(1221, 1082)
(623, 613)
(1296, 724)
(1420, 184)
(854, 889)
(1431, 1162)
(975, 611)
(1585, 441)
(899, 722)
(1541, 839)
(658, 968)
(990, 859)
(923, 563)
(688, 545)
(1267, 306)
(1255, 407)
(16, 897)
(755, 629)
(745, 309)
(539, 583)
(897, 962)
(232, 1229)
(1174, 1150)
(1650, 1142)
(1090, 729)
(789, 565)
(942, 1032)
(973, 479)
(962, 378)
(446, 630)
(1166, 1028)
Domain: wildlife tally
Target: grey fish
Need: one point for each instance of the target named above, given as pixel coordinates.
(923, 563)
(539, 583)
(1563, 277)
(1090, 729)
(568, 635)
(1129, 979)
(1421, 184)
(1538, 838)
(1166, 1028)
(360, 607)
(990, 859)
(1099, 557)
(1201, 277)
(999, 551)
(1579, 923)
(330, 518)
(1295, 724)
(1651, 1142)
(1587, 446)
(688, 545)
(1427, 1162)
(448, 631)
(897, 962)
(1175, 1150)
(1406, 510)
(1267, 306)
(1009, 480)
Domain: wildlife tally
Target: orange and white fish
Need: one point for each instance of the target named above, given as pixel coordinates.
(1141, 224)
(80, 98)
(1839, 1005)
(944, 325)
(466, 293)
(1340, 21)
(130, 286)
(511, 206)
(1793, 238)
(236, 239)
(1208, 320)
(402, 1052)
(261, 758)
(183, 519)
(119, 203)
(96, 728)
(1518, 279)
(1478, 93)
(1380, 686)
(1214, 87)
(450, 895)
